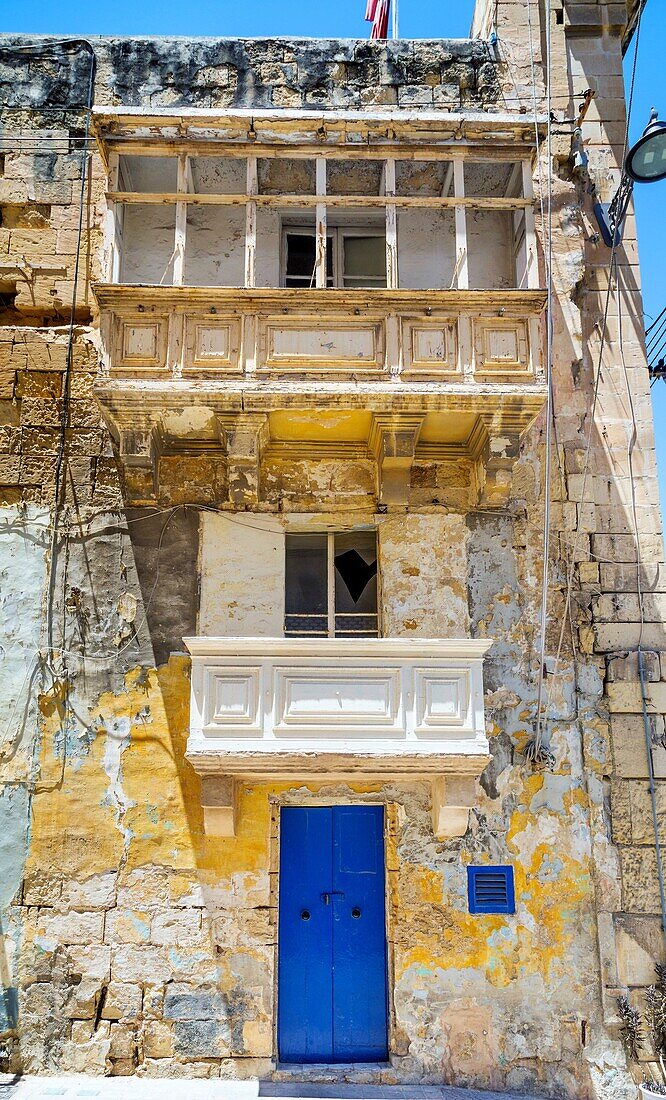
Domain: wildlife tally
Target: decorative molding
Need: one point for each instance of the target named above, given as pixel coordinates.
(211, 367)
(140, 343)
(430, 348)
(246, 439)
(212, 345)
(323, 708)
(501, 346)
(316, 343)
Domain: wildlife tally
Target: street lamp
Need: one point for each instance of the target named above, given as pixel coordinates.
(644, 163)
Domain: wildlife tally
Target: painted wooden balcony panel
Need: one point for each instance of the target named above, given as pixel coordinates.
(171, 333)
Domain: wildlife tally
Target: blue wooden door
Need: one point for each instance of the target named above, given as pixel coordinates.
(332, 940)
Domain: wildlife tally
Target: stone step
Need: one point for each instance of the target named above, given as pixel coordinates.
(134, 1088)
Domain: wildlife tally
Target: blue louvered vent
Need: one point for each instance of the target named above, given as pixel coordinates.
(490, 890)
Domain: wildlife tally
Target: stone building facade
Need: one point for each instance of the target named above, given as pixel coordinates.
(273, 511)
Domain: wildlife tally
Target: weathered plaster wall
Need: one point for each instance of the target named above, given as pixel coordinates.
(134, 943)
(242, 576)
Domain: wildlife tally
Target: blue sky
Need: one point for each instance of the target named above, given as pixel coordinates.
(650, 199)
(344, 18)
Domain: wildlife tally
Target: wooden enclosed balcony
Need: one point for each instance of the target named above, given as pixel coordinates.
(336, 709)
(391, 374)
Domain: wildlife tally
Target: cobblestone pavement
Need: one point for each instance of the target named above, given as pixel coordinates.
(133, 1088)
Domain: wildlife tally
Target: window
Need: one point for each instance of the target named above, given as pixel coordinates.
(331, 585)
(490, 890)
(355, 256)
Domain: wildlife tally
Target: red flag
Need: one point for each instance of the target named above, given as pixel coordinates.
(370, 10)
(380, 18)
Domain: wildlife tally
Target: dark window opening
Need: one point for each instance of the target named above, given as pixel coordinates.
(331, 585)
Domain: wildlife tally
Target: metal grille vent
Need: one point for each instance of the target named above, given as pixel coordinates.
(490, 890)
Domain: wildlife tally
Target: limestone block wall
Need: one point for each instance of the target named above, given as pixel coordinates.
(610, 505)
(133, 943)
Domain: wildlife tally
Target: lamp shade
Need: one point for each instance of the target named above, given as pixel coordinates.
(646, 160)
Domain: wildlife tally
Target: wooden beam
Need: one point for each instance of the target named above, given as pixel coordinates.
(391, 226)
(169, 198)
(112, 221)
(181, 223)
(320, 216)
(532, 279)
(251, 224)
(448, 180)
(461, 273)
(304, 150)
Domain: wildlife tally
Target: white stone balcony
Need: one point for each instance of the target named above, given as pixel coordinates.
(336, 709)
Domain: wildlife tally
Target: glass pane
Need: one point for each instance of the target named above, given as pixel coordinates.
(355, 558)
(306, 572)
(364, 257)
(147, 174)
(218, 175)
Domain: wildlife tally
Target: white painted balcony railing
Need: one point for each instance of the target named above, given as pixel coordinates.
(264, 708)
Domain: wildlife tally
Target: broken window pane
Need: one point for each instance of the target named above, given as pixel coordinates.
(355, 558)
(301, 249)
(306, 573)
(350, 559)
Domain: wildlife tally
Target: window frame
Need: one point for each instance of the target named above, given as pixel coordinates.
(331, 613)
(337, 233)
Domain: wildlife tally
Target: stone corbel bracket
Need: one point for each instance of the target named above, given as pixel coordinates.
(497, 448)
(453, 797)
(219, 799)
(246, 437)
(393, 441)
(139, 449)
